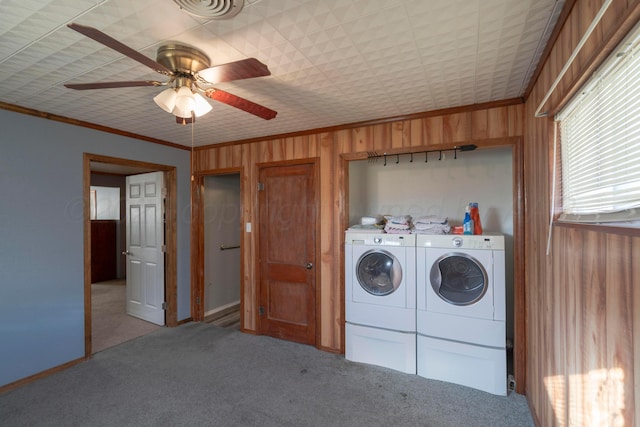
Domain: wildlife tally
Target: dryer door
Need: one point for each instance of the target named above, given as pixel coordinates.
(380, 286)
(459, 279)
(378, 272)
(460, 283)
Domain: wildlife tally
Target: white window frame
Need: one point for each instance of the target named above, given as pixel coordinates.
(600, 143)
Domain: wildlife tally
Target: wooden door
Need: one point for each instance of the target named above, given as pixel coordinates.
(104, 248)
(287, 252)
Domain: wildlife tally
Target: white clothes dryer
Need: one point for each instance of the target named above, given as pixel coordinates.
(380, 299)
(461, 310)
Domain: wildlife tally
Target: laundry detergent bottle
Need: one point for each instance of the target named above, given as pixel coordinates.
(475, 217)
(467, 223)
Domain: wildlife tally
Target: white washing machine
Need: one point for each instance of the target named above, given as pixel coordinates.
(380, 299)
(461, 310)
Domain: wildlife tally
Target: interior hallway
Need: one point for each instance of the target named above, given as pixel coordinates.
(110, 323)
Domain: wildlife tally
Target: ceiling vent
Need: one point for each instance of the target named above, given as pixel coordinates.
(211, 9)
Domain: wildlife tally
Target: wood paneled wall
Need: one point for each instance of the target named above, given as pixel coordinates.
(495, 124)
(583, 297)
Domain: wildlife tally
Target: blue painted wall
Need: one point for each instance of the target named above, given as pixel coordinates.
(41, 236)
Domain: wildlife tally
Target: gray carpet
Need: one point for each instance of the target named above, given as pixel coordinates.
(202, 375)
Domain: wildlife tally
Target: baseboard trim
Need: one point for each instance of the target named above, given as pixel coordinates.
(329, 349)
(40, 375)
(221, 312)
(183, 321)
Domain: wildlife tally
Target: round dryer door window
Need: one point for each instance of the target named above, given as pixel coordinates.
(459, 279)
(379, 272)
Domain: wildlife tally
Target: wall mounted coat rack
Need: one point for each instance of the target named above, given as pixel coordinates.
(373, 156)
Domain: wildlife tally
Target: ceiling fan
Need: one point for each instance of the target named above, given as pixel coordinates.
(190, 73)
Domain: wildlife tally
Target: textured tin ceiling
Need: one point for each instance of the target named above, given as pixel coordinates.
(332, 61)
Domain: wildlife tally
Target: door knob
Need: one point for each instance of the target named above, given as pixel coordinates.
(309, 265)
(126, 253)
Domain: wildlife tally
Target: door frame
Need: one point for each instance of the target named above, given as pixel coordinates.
(171, 257)
(315, 161)
(197, 241)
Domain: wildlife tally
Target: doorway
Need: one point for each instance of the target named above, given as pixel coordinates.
(110, 293)
(110, 322)
(222, 247)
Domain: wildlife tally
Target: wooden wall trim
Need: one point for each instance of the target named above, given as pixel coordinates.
(171, 254)
(317, 165)
(367, 123)
(89, 125)
(24, 381)
(184, 321)
(519, 282)
(222, 171)
(197, 247)
(86, 215)
(99, 158)
(301, 161)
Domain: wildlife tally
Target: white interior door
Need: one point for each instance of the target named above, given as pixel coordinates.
(145, 247)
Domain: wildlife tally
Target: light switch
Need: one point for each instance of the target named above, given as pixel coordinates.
(248, 227)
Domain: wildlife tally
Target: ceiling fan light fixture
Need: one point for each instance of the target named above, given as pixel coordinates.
(184, 100)
(166, 99)
(178, 112)
(202, 107)
(183, 65)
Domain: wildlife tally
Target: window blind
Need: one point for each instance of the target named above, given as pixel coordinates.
(600, 142)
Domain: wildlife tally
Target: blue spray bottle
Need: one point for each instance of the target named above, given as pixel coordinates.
(467, 224)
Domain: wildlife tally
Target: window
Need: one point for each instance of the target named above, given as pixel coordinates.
(600, 142)
(105, 202)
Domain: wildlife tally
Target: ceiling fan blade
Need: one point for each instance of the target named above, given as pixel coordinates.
(114, 44)
(111, 85)
(243, 69)
(241, 103)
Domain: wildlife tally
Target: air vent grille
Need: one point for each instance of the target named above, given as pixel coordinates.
(211, 9)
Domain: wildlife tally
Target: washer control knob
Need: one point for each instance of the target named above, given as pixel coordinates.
(377, 240)
(457, 242)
